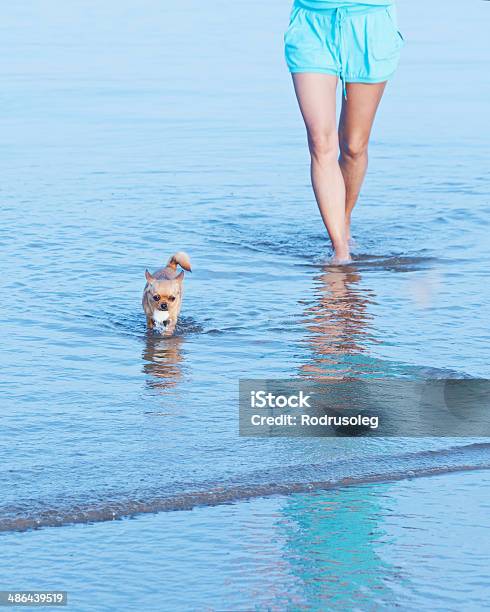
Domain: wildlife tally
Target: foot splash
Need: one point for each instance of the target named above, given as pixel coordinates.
(340, 261)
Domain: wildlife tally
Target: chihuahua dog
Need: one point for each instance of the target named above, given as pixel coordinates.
(162, 296)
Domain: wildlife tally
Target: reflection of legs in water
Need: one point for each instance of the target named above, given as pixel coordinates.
(337, 322)
(356, 121)
(162, 360)
(331, 546)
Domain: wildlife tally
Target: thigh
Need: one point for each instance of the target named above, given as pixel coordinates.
(359, 110)
(316, 94)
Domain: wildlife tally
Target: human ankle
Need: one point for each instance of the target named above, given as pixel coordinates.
(341, 249)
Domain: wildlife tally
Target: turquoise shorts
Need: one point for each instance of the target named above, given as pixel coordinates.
(359, 44)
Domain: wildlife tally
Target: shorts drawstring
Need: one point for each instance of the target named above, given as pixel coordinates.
(339, 22)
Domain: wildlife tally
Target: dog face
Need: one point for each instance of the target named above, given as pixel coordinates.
(164, 295)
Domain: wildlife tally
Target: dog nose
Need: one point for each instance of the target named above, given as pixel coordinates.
(163, 307)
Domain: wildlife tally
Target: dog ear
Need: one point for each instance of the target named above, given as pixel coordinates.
(180, 277)
(148, 276)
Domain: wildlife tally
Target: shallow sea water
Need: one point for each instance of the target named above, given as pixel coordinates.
(132, 131)
(387, 546)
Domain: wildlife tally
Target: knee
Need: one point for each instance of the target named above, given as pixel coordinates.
(354, 148)
(323, 144)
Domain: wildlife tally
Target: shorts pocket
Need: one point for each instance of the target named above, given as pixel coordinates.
(385, 40)
(293, 23)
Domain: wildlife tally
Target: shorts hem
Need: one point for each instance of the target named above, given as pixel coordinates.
(331, 71)
(368, 79)
(348, 79)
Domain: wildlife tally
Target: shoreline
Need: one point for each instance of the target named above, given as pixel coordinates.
(405, 544)
(417, 465)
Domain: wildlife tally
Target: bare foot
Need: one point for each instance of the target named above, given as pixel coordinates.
(337, 261)
(341, 254)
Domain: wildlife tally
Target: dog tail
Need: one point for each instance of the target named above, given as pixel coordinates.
(181, 259)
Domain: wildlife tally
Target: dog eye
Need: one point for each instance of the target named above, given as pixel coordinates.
(171, 298)
(156, 298)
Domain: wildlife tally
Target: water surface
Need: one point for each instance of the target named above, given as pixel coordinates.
(132, 131)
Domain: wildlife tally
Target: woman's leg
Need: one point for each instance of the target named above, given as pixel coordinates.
(316, 95)
(356, 121)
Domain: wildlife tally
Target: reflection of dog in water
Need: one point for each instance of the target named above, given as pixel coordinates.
(162, 296)
(162, 359)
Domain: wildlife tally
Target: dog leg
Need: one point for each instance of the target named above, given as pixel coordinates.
(169, 330)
